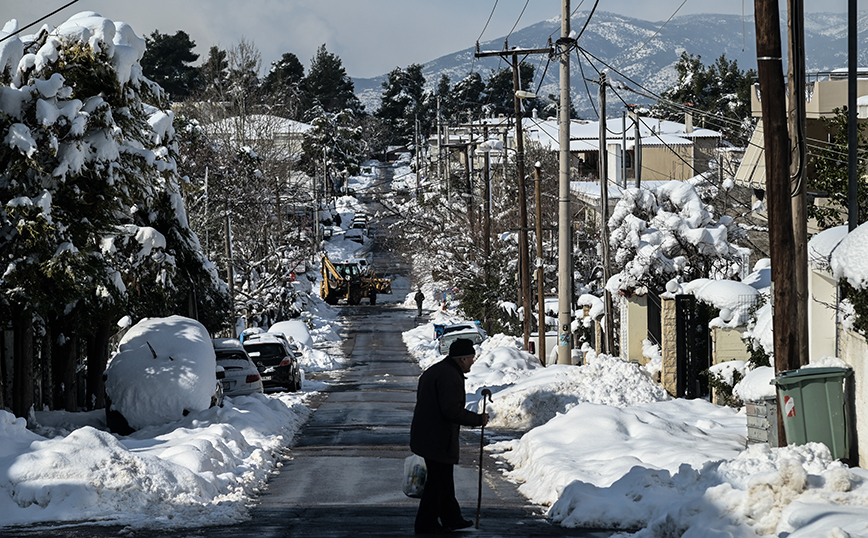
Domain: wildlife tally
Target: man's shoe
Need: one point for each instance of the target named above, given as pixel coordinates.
(439, 529)
(462, 524)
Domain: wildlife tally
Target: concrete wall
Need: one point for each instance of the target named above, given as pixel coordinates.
(634, 327)
(853, 350)
(823, 296)
(727, 345)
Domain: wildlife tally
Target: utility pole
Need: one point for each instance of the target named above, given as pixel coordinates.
(230, 274)
(439, 143)
(798, 176)
(540, 269)
(623, 181)
(852, 119)
(522, 195)
(486, 228)
(637, 149)
(522, 204)
(609, 341)
(565, 228)
(781, 239)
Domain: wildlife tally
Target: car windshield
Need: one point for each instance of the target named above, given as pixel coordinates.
(230, 356)
(456, 328)
(265, 353)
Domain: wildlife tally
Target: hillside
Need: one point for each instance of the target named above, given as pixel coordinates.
(619, 40)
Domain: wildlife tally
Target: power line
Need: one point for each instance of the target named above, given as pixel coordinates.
(488, 21)
(38, 21)
(517, 20)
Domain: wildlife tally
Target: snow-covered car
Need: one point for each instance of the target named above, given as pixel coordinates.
(276, 361)
(165, 369)
(293, 330)
(241, 375)
(447, 334)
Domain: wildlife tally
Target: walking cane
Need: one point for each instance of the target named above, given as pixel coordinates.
(485, 394)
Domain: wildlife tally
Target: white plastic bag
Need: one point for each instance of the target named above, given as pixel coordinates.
(415, 473)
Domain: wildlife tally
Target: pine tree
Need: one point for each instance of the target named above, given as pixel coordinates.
(92, 167)
(404, 101)
(167, 60)
(328, 85)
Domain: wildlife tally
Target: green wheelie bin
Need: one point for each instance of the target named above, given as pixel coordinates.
(814, 407)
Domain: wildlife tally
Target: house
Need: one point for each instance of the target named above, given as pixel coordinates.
(264, 133)
(824, 93)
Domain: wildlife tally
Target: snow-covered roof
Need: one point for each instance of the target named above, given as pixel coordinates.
(258, 126)
(585, 135)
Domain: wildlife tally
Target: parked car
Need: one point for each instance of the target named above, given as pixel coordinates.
(241, 375)
(275, 359)
(355, 234)
(447, 334)
(165, 369)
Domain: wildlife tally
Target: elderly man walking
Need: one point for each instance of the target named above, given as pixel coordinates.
(439, 413)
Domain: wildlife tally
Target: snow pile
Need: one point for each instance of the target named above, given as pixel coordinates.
(755, 384)
(733, 299)
(542, 393)
(850, 259)
(195, 472)
(164, 369)
(821, 246)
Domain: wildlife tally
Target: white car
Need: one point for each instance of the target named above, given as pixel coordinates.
(241, 375)
(450, 333)
(164, 370)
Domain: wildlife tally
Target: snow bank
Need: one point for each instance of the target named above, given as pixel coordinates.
(196, 472)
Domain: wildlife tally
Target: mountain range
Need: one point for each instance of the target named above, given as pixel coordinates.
(641, 54)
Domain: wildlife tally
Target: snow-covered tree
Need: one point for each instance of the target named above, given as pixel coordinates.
(669, 232)
(87, 165)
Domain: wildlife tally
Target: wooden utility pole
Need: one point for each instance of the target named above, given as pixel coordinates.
(798, 177)
(230, 273)
(565, 230)
(486, 227)
(781, 239)
(540, 272)
(852, 119)
(609, 340)
(524, 270)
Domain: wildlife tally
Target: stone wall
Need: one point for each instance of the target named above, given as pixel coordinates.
(668, 339)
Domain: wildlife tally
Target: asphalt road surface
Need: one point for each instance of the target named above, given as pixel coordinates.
(342, 477)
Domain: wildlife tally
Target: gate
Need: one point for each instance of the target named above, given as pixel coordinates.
(654, 326)
(693, 346)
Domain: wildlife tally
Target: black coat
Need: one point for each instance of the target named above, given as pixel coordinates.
(439, 412)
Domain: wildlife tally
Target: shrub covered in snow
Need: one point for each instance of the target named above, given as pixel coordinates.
(666, 232)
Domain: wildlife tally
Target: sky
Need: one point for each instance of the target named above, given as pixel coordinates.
(371, 37)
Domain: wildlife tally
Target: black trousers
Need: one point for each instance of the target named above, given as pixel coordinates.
(438, 498)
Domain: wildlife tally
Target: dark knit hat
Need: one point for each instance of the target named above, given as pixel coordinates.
(462, 347)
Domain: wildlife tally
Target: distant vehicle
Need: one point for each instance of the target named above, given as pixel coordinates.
(355, 234)
(346, 280)
(275, 359)
(241, 375)
(447, 334)
(165, 369)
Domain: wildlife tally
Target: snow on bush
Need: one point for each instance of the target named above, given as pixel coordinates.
(164, 369)
(668, 231)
